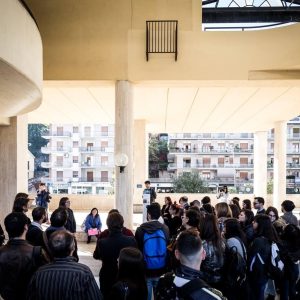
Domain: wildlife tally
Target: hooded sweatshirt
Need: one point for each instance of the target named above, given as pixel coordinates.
(151, 227)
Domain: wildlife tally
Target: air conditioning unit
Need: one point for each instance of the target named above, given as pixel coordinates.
(66, 155)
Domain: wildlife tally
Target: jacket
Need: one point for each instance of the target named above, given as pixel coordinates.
(151, 227)
(34, 235)
(108, 250)
(68, 280)
(260, 247)
(211, 266)
(18, 262)
(71, 223)
(185, 284)
(91, 222)
(289, 218)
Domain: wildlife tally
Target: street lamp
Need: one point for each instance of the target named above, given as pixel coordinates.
(121, 161)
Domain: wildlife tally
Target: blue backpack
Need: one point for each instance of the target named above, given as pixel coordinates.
(155, 249)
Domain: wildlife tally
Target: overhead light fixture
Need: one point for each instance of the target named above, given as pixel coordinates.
(121, 161)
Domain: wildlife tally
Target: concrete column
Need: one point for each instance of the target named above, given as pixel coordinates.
(279, 188)
(140, 158)
(124, 144)
(13, 162)
(260, 163)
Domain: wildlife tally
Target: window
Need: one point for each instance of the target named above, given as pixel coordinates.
(206, 161)
(104, 176)
(104, 160)
(104, 130)
(60, 145)
(59, 161)
(75, 144)
(221, 161)
(244, 161)
(75, 129)
(59, 175)
(75, 159)
(244, 146)
(60, 131)
(87, 131)
(75, 174)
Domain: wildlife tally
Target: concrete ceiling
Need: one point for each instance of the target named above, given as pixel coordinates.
(185, 106)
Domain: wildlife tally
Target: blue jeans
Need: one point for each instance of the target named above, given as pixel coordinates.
(151, 284)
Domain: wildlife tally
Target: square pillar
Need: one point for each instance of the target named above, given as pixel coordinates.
(124, 145)
(279, 188)
(13, 162)
(260, 163)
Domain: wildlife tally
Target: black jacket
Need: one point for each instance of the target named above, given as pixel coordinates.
(34, 236)
(108, 250)
(151, 227)
(195, 289)
(71, 223)
(18, 262)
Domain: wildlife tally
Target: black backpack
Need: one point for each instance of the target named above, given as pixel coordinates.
(235, 267)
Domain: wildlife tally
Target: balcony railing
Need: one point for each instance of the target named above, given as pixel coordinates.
(96, 165)
(56, 134)
(89, 149)
(94, 179)
(210, 166)
(48, 150)
(211, 151)
(206, 136)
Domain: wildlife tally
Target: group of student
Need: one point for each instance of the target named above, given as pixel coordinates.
(183, 251)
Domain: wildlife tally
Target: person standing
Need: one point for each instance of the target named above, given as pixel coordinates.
(43, 196)
(18, 259)
(152, 238)
(149, 196)
(259, 203)
(71, 223)
(64, 278)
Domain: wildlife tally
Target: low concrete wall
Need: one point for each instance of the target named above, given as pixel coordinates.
(105, 203)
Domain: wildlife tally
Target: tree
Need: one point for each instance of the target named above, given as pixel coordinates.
(189, 183)
(158, 156)
(36, 142)
(35, 139)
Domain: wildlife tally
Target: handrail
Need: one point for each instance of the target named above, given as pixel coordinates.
(244, 27)
(24, 4)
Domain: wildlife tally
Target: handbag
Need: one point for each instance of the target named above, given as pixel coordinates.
(93, 231)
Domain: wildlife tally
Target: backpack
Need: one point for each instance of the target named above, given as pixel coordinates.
(155, 249)
(166, 289)
(235, 267)
(275, 264)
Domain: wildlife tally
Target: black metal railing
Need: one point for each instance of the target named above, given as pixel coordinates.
(161, 37)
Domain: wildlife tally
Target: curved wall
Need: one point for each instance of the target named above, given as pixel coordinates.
(21, 59)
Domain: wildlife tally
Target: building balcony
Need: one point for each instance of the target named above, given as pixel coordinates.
(96, 165)
(49, 150)
(96, 149)
(288, 165)
(211, 151)
(293, 136)
(212, 136)
(95, 179)
(230, 166)
(50, 164)
(97, 134)
(49, 134)
(46, 165)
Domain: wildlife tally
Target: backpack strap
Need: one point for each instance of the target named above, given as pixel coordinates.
(191, 287)
(243, 248)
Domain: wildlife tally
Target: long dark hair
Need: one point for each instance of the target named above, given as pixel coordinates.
(132, 268)
(247, 203)
(233, 229)
(62, 202)
(97, 214)
(234, 210)
(265, 228)
(209, 232)
(249, 217)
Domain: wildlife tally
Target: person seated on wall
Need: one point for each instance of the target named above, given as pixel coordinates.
(93, 224)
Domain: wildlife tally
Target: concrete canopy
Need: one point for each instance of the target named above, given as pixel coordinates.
(194, 106)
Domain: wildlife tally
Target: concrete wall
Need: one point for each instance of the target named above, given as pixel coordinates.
(105, 203)
(105, 40)
(20, 60)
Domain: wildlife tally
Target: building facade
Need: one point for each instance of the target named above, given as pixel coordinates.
(227, 158)
(80, 158)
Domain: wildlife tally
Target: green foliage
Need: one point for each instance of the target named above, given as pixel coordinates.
(189, 183)
(270, 187)
(158, 156)
(35, 140)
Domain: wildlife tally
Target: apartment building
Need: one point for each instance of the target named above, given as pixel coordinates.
(227, 158)
(80, 158)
